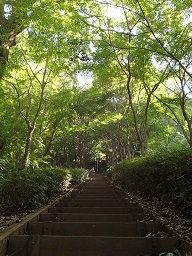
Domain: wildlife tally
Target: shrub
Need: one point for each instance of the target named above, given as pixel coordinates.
(167, 175)
(78, 175)
(29, 189)
(57, 179)
(26, 190)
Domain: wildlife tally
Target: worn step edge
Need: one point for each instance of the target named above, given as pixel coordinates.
(119, 229)
(107, 210)
(81, 217)
(95, 246)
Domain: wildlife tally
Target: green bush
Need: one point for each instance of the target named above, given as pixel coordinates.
(167, 175)
(57, 179)
(78, 175)
(29, 189)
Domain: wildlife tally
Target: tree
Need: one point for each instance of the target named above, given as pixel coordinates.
(140, 62)
(143, 44)
(26, 85)
(14, 18)
(178, 102)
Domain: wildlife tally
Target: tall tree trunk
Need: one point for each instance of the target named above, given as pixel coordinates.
(11, 25)
(9, 28)
(4, 50)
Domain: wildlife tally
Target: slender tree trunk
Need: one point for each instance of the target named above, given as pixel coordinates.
(32, 124)
(26, 156)
(177, 120)
(185, 115)
(139, 135)
(143, 147)
(47, 150)
(128, 151)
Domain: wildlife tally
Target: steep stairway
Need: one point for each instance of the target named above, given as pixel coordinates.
(94, 221)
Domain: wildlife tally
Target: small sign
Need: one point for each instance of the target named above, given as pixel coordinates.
(97, 155)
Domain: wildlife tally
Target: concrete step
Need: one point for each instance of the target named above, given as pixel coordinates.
(26, 245)
(94, 229)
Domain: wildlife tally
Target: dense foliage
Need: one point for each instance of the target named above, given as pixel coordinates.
(166, 176)
(23, 191)
(81, 77)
